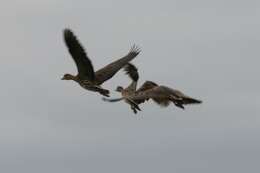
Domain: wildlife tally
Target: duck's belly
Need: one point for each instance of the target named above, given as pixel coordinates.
(90, 86)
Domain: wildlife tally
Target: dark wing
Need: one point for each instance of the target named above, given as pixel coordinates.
(112, 100)
(111, 69)
(132, 71)
(84, 65)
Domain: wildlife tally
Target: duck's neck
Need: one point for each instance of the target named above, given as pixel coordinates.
(75, 78)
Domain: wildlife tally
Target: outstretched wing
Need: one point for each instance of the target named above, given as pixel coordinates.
(84, 65)
(112, 100)
(131, 102)
(111, 69)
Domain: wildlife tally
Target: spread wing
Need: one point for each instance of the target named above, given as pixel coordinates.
(111, 69)
(112, 100)
(84, 65)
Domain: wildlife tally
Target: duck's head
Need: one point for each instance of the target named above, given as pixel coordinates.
(68, 77)
(119, 89)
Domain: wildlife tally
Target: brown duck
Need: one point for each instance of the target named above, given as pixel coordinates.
(86, 76)
(161, 95)
(126, 93)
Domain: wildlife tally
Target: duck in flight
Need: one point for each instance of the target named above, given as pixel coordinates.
(162, 95)
(87, 77)
(127, 92)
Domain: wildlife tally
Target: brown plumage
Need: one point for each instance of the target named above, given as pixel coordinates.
(162, 95)
(87, 77)
(132, 72)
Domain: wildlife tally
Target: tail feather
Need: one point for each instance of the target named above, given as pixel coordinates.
(189, 100)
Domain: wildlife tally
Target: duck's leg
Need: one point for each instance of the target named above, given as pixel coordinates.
(177, 101)
(134, 110)
(104, 92)
(179, 105)
(133, 104)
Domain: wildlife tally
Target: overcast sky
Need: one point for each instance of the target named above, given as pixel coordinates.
(208, 49)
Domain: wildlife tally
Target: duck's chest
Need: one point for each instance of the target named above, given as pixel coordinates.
(125, 93)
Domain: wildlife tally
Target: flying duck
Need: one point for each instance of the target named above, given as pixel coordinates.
(162, 95)
(132, 72)
(87, 77)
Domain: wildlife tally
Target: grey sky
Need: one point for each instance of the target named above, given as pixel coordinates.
(207, 49)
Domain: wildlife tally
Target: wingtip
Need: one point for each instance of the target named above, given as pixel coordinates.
(197, 101)
(67, 32)
(135, 49)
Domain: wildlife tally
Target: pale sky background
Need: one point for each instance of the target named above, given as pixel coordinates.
(208, 49)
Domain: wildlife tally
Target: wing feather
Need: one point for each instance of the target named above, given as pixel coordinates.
(111, 69)
(83, 63)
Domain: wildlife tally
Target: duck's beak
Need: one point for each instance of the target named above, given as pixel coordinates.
(63, 78)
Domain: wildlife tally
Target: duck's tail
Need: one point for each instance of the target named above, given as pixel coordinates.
(190, 100)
